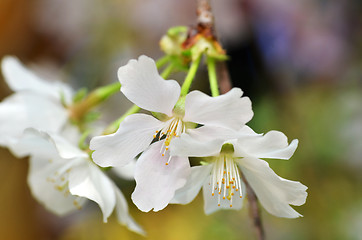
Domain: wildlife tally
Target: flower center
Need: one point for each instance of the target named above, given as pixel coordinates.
(60, 181)
(173, 128)
(225, 179)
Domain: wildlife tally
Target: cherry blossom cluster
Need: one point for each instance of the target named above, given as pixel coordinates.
(69, 162)
(195, 125)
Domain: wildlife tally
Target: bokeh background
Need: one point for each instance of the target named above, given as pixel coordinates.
(299, 61)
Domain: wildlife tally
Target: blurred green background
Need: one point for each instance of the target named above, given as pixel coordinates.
(299, 62)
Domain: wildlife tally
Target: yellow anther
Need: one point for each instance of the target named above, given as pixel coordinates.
(163, 155)
(166, 148)
(212, 194)
(76, 204)
(154, 136)
(166, 163)
(218, 204)
(223, 197)
(231, 205)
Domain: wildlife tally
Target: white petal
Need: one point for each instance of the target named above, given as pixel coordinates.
(42, 172)
(142, 84)
(61, 162)
(42, 144)
(71, 133)
(247, 131)
(157, 182)
(19, 78)
(211, 133)
(193, 185)
(123, 214)
(187, 146)
(228, 110)
(87, 180)
(211, 202)
(273, 144)
(23, 110)
(127, 171)
(48, 173)
(274, 193)
(207, 140)
(132, 137)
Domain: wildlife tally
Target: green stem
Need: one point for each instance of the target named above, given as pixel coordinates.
(168, 70)
(190, 76)
(162, 61)
(114, 126)
(80, 109)
(105, 92)
(211, 67)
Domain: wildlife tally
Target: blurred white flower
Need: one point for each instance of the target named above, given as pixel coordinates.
(34, 103)
(231, 156)
(62, 177)
(158, 175)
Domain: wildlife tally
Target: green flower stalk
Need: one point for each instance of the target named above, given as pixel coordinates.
(80, 109)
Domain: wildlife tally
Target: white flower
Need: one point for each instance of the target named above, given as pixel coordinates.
(35, 103)
(62, 177)
(231, 156)
(157, 175)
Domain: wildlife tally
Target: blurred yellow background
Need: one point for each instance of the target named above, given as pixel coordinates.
(299, 62)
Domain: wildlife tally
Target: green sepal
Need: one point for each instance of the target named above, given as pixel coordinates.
(208, 47)
(160, 116)
(80, 95)
(227, 148)
(91, 116)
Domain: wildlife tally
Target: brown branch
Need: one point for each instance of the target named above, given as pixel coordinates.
(206, 21)
(204, 13)
(223, 77)
(254, 210)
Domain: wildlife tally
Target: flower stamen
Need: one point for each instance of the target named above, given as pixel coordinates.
(173, 128)
(225, 178)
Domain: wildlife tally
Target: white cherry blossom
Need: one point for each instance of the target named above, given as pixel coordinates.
(34, 103)
(157, 174)
(62, 177)
(231, 155)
